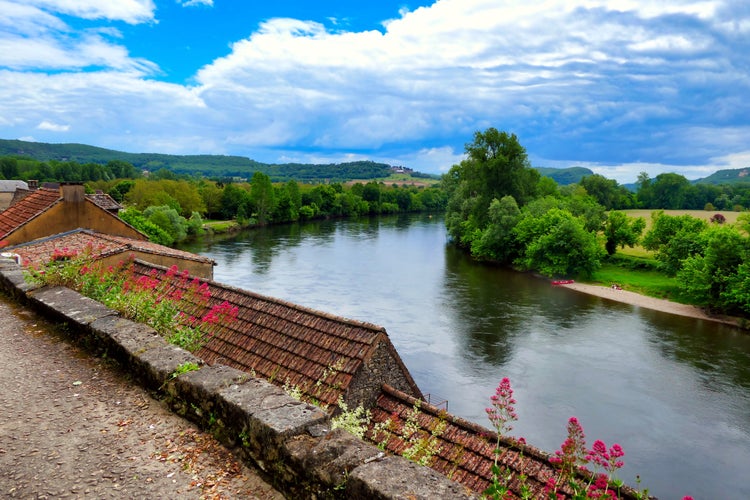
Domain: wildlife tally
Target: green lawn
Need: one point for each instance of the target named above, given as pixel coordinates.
(220, 226)
(643, 281)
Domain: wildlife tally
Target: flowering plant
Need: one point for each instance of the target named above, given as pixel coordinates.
(160, 300)
(572, 479)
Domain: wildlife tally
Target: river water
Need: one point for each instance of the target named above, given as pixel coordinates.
(673, 392)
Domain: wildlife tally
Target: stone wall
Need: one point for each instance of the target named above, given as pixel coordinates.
(291, 441)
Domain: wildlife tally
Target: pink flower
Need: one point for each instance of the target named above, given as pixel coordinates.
(502, 412)
(607, 459)
(172, 271)
(572, 452)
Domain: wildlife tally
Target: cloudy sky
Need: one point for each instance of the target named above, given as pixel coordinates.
(619, 86)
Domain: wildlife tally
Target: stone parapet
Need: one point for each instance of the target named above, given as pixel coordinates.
(291, 441)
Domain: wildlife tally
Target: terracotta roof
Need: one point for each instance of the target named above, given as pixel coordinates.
(464, 451)
(37, 252)
(30, 207)
(284, 342)
(105, 201)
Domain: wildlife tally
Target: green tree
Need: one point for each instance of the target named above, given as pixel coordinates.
(147, 193)
(234, 200)
(155, 234)
(621, 230)
(644, 194)
(713, 279)
(9, 168)
(122, 170)
(288, 201)
(669, 191)
(674, 239)
(169, 220)
(497, 242)
(496, 166)
(210, 193)
(262, 197)
(557, 244)
(119, 190)
(608, 193)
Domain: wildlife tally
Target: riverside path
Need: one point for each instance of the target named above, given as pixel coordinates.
(75, 426)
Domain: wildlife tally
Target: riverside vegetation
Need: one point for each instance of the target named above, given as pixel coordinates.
(500, 209)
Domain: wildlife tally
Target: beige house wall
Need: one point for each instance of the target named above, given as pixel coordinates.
(70, 215)
(5, 199)
(195, 268)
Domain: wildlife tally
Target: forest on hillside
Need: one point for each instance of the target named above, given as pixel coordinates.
(58, 156)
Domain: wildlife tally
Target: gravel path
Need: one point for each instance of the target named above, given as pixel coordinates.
(73, 426)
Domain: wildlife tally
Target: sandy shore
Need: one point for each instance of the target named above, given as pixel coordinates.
(639, 300)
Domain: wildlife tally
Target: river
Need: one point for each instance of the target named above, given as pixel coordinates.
(674, 392)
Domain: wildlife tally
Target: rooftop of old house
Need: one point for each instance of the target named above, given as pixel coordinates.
(98, 245)
(464, 451)
(105, 201)
(19, 214)
(36, 202)
(287, 343)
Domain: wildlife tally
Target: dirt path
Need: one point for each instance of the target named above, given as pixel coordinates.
(639, 300)
(73, 426)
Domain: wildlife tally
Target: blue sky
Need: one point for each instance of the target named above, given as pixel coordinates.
(619, 86)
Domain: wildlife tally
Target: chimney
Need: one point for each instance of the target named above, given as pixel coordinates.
(33, 184)
(72, 192)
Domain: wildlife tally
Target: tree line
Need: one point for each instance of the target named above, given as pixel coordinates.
(178, 206)
(502, 210)
(65, 171)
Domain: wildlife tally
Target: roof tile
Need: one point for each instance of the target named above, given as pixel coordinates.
(280, 340)
(464, 450)
(16, 216)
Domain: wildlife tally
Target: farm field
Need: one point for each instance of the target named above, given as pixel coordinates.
(706, 215)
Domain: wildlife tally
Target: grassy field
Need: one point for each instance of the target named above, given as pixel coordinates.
(220, 226)
(399, 179)
(634, 269)
(698, 214)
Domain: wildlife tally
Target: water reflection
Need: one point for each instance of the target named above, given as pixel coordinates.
(718, 352)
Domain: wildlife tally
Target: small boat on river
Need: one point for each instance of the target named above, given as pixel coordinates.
(562, 282)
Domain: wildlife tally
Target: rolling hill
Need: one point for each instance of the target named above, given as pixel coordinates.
(565, 176)
(207, 165)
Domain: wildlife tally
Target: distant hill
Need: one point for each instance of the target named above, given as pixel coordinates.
(207, 165)
(565, 176)
(728, 176)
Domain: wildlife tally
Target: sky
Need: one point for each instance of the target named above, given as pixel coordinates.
(617, 86)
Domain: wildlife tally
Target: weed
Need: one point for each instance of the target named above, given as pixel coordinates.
(185, 368)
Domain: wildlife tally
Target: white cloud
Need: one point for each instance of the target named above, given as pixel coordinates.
(129, 11)
(53, 127)
(626, 83)
(194, 3)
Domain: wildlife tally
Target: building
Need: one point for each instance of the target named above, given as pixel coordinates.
(65, 217)
(108, 250)
(8, 191)
(322, 355)
(46, 212)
